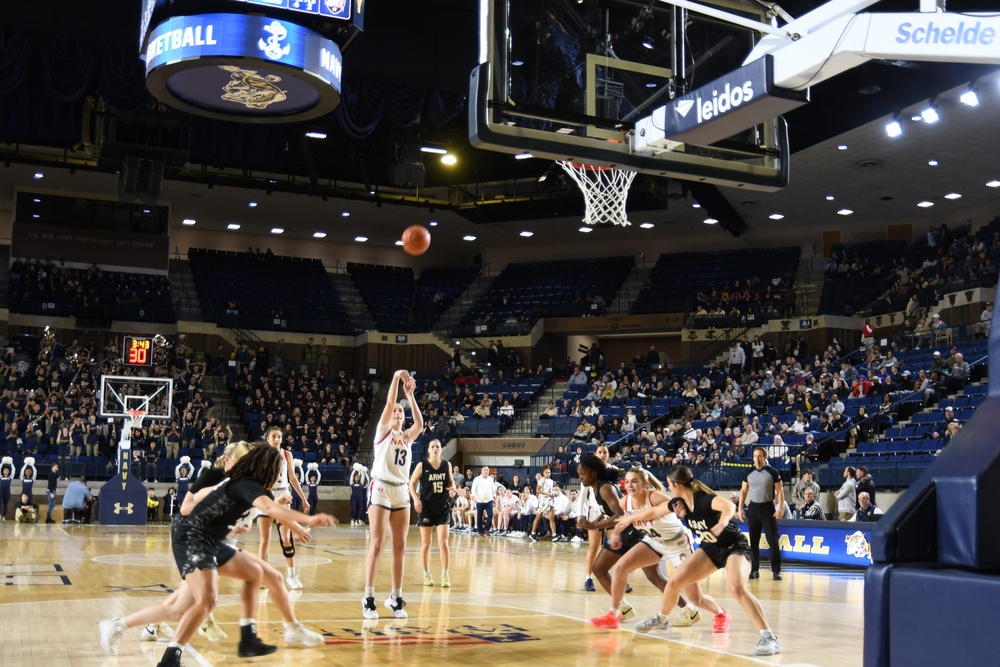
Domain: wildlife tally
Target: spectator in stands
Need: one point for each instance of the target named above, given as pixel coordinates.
(737, 358)
(810, 509)
(865, 482)
(939, 329)
(847, 495)
(484, 408)
(549, 412)
(806, 482)
(867, 510)
(982, 327)
(959, 374)
(922, 333)
(867, 334)
(150, 459)
(579, 378)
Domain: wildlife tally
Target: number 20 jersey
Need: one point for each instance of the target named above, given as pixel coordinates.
(392, 456)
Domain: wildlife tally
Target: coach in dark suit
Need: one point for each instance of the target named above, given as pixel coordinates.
(761, 492)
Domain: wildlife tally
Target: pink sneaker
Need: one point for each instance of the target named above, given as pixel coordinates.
(610, 620)
(721, 622)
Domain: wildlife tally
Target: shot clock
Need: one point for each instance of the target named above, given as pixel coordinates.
(138, 351)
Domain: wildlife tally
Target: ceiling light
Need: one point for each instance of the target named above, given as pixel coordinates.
(710, 221)
(399, 242)
(842, 147)
(517, 63)
(277, 230)
(188, 221)
(316, 135)
(829, 197)
(319, 235)
(585, 230)
(39, 175)
(970, 98)
(993, 184)
(360, 239)
(433, 149)
(651, 84)
(893, 128)
(35, 216)
(449, 159)
(252, 204)
(930, 113)
(845, 211)
(925, 204)
(468, 237)
(233, 226)
(696, 205)
(345, 214)
(647, 42)
(932, 162)
(37, 200)
(433, 223)
(565, 130)
(523, 156)
(953, 195)
(526, 234)
(146, 211)
(776, 216)
(647, 225)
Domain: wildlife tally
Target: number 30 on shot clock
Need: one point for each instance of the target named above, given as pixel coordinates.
(138, 351)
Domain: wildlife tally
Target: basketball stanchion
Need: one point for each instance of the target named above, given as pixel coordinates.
(605, 191)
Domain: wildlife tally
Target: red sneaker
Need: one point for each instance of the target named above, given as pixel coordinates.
(721, 622)
(610, 620)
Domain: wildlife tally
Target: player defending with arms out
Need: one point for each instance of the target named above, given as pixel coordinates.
(433, 509)
(273, 438)
(389, 503)
(712, 519)
(667, 539)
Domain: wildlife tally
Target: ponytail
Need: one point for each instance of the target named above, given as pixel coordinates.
(681, 476)
(648, 478)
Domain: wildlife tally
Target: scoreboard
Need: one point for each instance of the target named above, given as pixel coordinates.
(251, 61)
(137, 351)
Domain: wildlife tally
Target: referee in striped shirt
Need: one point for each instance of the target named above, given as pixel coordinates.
(761, 493)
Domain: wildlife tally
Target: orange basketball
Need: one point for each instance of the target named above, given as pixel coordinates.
(416, 239)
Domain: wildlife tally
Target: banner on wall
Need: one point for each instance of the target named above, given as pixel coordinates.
(822, 542)
(104, 247)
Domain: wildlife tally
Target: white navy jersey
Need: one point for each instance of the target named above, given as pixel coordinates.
(392, 456)
(666, 529)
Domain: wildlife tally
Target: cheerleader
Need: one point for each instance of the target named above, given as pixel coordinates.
(28, 474)
(664, 540)
(389, 504)
(6, 478)
(433, 512)
(722, 546)
(313, 479)
(183, 474)
(359, 494)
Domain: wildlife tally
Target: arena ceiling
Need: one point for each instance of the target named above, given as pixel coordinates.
(432, 45)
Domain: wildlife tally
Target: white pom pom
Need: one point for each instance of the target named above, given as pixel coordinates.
(29, 461)
(312, 466)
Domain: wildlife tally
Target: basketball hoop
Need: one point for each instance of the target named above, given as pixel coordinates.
(135, 418)
(605, 191)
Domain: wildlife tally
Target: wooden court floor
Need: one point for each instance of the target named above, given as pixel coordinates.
(511, 602)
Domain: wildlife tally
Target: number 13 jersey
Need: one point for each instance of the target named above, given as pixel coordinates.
(392, 456)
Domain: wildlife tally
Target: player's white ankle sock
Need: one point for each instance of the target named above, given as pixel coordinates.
(369, 591)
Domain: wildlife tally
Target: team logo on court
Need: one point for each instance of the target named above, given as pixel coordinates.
(272, 47)
(119, 508)
(252, 90)
(858, 546)
(395, 634)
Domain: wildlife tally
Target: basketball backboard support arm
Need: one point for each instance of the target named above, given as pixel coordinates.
(833, 39)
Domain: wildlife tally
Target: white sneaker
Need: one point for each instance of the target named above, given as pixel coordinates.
(368, 609)
(652, 623)
(576, 539)
(300, 634)
(396, 606)
(111, 635)
(767, 645)
(211, 631)
(445, 580)
(293, 583)
(689, 616)
(428, 580)
(158, 632)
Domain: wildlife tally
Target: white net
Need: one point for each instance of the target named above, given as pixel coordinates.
(605, 192)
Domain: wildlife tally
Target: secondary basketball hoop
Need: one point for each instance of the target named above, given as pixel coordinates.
(605, 191)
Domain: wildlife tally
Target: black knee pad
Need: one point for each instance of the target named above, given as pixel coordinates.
(287, 550)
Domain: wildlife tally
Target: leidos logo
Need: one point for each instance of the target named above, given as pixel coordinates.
(721, 102)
